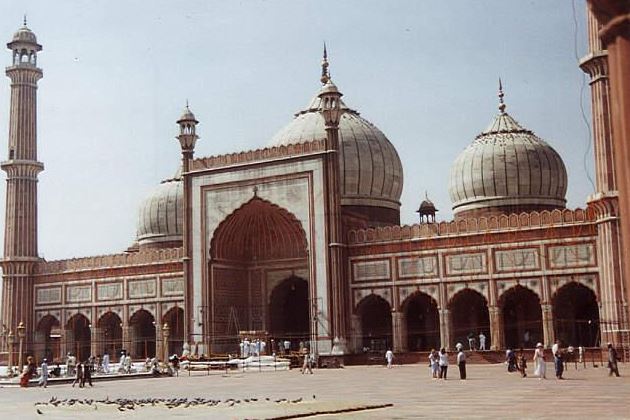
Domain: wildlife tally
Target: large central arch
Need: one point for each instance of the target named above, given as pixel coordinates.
(254, 255)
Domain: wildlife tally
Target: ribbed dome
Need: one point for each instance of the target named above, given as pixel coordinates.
(160, 218)
(506, 169)
(370, 170)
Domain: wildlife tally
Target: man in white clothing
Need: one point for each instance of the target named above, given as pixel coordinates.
(106, 362)
(389, 356)
(482, 341)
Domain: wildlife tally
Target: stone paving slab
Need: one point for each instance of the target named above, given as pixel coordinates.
(490, 392)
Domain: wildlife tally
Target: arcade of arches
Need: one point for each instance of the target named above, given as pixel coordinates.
(519, 319)
(141, 338)
(258, 277)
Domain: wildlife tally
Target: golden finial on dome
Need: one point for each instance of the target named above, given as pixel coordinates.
(325, 75)
(501, 95)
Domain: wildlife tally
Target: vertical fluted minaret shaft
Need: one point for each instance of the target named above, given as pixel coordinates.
(595, 64)
(22, 168)
(605, 201)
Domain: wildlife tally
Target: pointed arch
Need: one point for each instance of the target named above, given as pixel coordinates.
(576, 315)
(259, 230)
(522, 317)
(469, 315)
(79, 336)
(375, 317)
(143, 335)
(422, 321)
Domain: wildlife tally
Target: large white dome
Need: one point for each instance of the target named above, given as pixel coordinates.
(371, 173)
(507, 169)
(161, 216)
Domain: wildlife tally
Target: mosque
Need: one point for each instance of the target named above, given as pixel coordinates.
(301, 240)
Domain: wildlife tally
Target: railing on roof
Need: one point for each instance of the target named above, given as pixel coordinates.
(114, 260)
(489, 224)
(267, 153)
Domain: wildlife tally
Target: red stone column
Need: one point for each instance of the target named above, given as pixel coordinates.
(614, 18)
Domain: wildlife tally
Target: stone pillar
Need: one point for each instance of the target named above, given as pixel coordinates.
(547, 321)
(96, 341)
(63, 345)
(159, 341)
(445, 328)
(497, 339)
(398, 332)
(356, 342)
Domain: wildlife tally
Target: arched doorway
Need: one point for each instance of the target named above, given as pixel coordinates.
(110, 326)
(142, 325)
(289, 310)
(48, 338)
(175, 320)
(522, 318)
(79, 337)
(423, 322)
(576, 316)
(247, 248)
(376, 323)
(469, 315)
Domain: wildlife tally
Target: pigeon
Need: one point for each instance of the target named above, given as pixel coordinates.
(297, 400)
(313, 396)
(39, 412)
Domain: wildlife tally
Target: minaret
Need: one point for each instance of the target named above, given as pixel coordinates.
(605, 201)
(187, 139)
(22, 168)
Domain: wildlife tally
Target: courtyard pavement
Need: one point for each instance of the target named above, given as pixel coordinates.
(489, 392)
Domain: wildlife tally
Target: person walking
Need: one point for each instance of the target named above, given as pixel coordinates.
(434, 363)
(461, 361)
(87, 375)
(43, 380)
(557, 359)
(443, 363)
(106, 363)
(471, 341)
(522, 364)
(306, 366)
(482, 341)
(612, 361)
(389, 357)
(27, 373)
(540, 369)
(79, 376)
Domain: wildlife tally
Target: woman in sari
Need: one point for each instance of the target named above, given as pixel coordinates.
(29, 371)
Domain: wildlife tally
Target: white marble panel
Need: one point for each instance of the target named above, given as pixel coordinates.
(48, 295)
(566, 256)
(109, 291)
(172, 287)
(473, 263)
(517, 259)
(141, 288)
(371, 270)
(79, 293)
(418, 267)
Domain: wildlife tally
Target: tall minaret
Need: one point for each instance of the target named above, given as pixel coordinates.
(605, 201)
(22, 168)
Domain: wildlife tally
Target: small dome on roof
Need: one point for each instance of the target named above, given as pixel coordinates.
(24, 34)
(187, 115)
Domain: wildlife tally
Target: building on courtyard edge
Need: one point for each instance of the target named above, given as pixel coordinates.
(301, 240)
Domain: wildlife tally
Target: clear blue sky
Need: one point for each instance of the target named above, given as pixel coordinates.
(117, 75)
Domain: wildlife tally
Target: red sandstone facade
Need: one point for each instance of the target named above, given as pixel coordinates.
(268, 245)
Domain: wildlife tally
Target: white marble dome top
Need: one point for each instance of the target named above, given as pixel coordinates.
(507, 165)
(161, 217)
(371, 173)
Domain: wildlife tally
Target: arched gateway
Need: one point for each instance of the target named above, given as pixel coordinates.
(258, 273)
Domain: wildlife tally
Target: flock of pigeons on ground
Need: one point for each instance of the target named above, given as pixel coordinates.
(124, 404)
